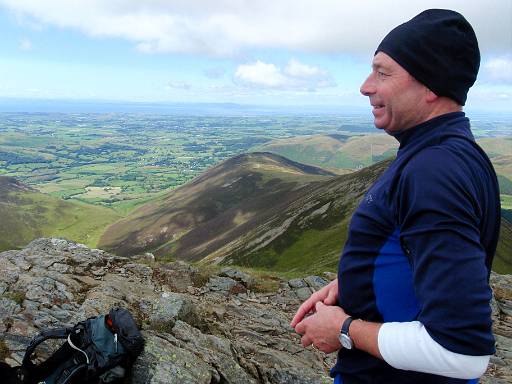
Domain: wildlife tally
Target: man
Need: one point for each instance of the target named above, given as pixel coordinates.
(411, 301)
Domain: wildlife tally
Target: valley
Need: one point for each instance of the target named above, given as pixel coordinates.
(122, 160)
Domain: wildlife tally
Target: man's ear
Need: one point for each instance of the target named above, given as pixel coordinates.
(430, 96)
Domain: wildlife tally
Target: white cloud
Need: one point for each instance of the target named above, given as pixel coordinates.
(296, 69)
(295, 76)
(260, 74)
(178, 85)
(499, 69)
(228, 27)
(25, 45)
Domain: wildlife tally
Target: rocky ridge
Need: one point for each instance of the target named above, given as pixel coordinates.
(199, 327)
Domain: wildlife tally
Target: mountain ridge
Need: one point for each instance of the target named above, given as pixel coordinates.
(224, 187)
(251, 203)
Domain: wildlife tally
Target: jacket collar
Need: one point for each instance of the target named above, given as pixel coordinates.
(428, 129)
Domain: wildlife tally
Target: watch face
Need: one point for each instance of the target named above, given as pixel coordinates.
(345, 341)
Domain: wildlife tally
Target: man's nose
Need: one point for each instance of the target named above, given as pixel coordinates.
(367, 88)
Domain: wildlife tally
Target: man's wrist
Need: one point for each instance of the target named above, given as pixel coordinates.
(364, 335)
(344, 335)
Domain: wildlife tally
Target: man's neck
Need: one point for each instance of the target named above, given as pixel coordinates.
(442, 106)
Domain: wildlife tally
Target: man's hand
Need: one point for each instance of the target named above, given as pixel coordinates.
(327, 295)
(322, 328)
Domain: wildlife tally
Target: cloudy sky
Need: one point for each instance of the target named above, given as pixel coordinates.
(277, 52)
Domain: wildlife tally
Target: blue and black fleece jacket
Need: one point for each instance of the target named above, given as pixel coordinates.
(420, 247)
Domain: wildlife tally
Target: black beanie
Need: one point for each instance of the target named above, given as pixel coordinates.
(438, 48)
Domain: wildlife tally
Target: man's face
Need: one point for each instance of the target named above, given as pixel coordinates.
(397, 98)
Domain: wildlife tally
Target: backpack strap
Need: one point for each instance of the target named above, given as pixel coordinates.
(56, 333)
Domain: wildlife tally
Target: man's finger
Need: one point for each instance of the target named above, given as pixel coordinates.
(301, 312)
(305, 341)
(319, 306)
(331, 298)
(300, 328)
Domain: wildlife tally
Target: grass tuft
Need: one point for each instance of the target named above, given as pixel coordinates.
(4, 350)
(15, 296)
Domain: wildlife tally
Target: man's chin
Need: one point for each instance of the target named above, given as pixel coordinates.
(379, 126)
(384, 128)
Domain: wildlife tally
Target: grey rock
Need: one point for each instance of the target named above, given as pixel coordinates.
(169, 308)
(99, 271)
(140, 270)
(303, 293)
(163, 362)
(60, 267)
(215, 351)
(315, 282)
(237, 275)
(297, 283)
(495, 308)
(44, 290)
(276, 376)
(506, 307)
(330, 275)
(217, 283)
(178, 276)
(8, 307)
(504, 345)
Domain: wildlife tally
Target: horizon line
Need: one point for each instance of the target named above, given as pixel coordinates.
(33, 103)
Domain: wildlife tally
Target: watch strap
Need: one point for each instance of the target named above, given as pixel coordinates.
(346, 325)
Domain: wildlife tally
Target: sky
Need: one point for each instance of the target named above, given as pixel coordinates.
(265, 52)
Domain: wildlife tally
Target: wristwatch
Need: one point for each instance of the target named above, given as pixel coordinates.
(343, 336)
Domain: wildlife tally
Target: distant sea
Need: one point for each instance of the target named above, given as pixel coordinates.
(218, 109)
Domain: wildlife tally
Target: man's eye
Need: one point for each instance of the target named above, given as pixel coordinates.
(381, 73)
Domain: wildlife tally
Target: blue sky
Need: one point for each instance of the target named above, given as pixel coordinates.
(279, 52)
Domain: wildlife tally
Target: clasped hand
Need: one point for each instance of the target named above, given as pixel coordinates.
(319, 319)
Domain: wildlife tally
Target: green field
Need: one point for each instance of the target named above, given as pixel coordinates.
(307, 253)
(84, 156)
(28, 215)
(506, 201)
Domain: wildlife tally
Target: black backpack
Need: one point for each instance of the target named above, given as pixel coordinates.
(97, 350)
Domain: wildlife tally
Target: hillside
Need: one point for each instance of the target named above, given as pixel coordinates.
(336, 152)
(258, 210)
(499, 150)
(305, 235)
(503, 259)
(343, 153)
(27, 214)
(213, 209)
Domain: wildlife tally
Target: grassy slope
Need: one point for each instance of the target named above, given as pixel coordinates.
(496, 146)
(312, 242)
(503, 260)
(344, 152)
(312, 251)
(27, 214)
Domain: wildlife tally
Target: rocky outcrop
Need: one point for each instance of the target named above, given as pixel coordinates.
(199, 327)
(500, 368)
